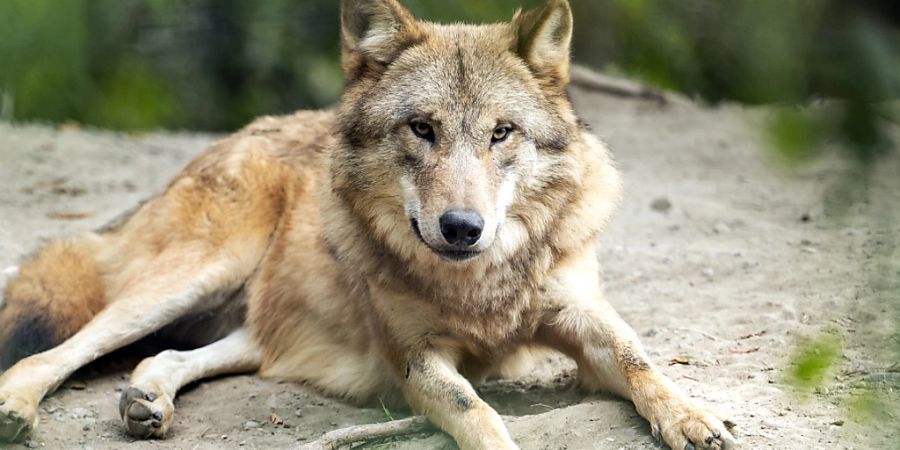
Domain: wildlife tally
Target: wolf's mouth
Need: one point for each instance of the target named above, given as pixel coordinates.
(451, 255)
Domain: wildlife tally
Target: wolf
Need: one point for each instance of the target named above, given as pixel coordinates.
(438, 222)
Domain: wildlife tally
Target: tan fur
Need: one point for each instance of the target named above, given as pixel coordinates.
(325, 226)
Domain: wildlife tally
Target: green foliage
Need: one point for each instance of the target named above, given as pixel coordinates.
(215, 64)
(794, 134)
(814, 359)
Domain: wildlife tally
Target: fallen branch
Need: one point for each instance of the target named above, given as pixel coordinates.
(333, 440)
(619, 87)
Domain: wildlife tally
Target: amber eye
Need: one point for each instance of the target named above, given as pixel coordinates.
(422, 130)
(501, 133)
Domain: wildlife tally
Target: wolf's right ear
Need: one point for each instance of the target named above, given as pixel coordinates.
(374, 33)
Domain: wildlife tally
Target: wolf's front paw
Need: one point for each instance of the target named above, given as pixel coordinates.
(689, 427)
(17, 417)
(147, 412)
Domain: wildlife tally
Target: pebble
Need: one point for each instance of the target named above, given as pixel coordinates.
(708, 272)
(661, 204)
(80, 413)
(251, 424)
(31, 444)
(721, 228)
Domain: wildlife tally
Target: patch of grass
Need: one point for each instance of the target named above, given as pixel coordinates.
(814, 359)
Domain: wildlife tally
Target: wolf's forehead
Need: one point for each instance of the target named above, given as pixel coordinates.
(463, 74)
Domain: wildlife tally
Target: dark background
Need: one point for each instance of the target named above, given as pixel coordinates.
(215, 64)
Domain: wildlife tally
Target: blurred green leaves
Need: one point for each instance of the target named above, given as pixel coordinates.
(215, 64)
(133, 98)
(814, 359)
(794, 134)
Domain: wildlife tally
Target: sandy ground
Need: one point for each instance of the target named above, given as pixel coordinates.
(717, 258)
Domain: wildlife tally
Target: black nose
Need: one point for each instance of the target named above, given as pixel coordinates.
(461, 227)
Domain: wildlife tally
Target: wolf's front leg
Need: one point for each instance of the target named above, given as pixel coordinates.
(580, 323)
(433, 387)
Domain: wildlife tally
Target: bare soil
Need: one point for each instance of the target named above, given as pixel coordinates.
(720, 258)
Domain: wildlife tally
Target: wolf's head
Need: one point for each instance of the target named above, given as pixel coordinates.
(445, 128)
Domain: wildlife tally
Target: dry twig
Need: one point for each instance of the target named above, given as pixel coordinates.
(619, 87)
(365, 433)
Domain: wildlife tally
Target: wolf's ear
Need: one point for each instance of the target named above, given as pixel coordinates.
(374, 32)
(543, 38)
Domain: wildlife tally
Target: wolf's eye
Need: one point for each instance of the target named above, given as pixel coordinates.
(422, 129)
(501, 133)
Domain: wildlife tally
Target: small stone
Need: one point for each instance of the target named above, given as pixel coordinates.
(31, 444)
(89, 424)
(80, 413)
(708, 272)
(275, 420)
(721, 228)
(838, 423)
(661, 204)
(651, 332)
(298, 412)
(251, 424)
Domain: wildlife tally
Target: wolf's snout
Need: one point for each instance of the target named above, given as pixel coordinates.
(461, 227)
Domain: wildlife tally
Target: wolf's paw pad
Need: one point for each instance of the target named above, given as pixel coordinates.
(697, 430)
(147, 414)
(17, 418)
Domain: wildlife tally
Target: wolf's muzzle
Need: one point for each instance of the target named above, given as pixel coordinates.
(461, 228)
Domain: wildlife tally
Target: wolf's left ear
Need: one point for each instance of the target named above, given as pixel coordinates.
(374, 32)
(543, 39)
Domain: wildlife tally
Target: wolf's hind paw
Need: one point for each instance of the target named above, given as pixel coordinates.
(146, 413)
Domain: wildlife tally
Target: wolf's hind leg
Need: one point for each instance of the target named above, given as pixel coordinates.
(172, 285)
(146, 406)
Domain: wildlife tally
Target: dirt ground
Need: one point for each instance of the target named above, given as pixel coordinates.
(719, 258)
